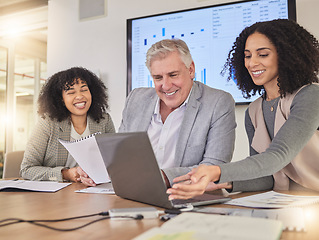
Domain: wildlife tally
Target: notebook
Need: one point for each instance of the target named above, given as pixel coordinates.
(17, 185)
(135, 174)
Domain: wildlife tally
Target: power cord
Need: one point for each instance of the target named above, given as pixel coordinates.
(11, 221)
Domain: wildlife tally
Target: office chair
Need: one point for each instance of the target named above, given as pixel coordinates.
(12, 162)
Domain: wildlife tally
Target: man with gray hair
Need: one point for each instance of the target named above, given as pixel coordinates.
(188, 123)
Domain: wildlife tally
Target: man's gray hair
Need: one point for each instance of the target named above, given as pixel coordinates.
(164, 47)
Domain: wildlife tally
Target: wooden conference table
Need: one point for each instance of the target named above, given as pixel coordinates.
(67, 203)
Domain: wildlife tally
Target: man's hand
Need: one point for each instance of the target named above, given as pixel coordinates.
(196, 182)
(70, 174)
(84, 178)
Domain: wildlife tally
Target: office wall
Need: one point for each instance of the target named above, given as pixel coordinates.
(100, 44)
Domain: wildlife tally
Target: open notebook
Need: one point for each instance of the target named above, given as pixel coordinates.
(37, 186)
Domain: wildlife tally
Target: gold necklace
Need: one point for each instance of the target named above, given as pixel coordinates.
(272, 106)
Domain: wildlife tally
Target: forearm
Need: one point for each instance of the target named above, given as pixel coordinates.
(258, 184)
(41, 173)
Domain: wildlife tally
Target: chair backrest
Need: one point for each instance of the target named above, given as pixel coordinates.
(12, 163)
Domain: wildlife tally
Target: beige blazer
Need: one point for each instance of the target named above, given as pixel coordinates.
(304, 168)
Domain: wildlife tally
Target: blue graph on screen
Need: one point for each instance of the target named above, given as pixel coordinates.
(209, 34)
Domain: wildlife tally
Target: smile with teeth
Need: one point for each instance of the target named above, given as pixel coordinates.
(79, 105)
(171, 93)
(257, 73)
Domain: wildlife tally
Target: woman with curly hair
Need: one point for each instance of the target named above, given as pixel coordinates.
(280, 60)
(72, 105)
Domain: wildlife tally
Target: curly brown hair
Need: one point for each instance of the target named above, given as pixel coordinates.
(50, 101)
(298, 56)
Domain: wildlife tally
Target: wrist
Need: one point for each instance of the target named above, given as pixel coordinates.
(65, 174)
(216, 172)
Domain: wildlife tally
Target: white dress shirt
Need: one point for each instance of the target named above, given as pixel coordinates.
(164, 136)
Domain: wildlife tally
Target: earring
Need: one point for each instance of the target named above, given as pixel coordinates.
(278, 83)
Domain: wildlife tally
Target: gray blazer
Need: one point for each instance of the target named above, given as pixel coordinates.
(207, 133)
(44, 156)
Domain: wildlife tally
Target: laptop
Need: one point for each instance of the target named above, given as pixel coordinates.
(135, 174)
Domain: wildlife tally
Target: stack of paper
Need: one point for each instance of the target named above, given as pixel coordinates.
(200, 226)
(293, 219)
(104, 188)
(273, 199)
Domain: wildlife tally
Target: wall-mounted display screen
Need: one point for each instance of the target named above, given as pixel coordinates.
(209, 33)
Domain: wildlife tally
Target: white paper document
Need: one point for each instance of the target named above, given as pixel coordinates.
(200, 226)
(87, 154)
(293, 219)
(39, 186)
(273, 199)
(104, 188)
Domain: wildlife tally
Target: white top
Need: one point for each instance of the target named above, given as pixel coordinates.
(70, 163)
(164, 136)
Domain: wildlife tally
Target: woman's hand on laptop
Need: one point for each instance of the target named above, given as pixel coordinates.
(196, 182)
(84, 178)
